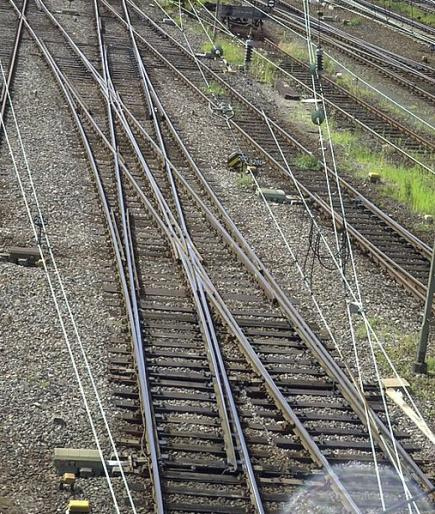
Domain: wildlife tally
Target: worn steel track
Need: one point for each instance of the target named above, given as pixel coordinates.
(10, 39)
(401, 253)
(295, 374)
(418, 78)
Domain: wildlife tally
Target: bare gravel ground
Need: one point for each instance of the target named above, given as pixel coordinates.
(41, 407)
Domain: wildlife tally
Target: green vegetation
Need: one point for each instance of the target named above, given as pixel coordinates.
(233, 53)
(299, 50)
(263, 70)
(354, 22)
(295, 48)
(171, 9)
(410, 11)
(244, 180)
(356, 88)
(401, 347)
(307, 162)
(413, 187)
(215, 89)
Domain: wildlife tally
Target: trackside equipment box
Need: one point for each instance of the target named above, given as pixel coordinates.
(70, 460)
(78, 506)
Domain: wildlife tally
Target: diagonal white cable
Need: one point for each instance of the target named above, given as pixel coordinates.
(61, 321)
(60, 282)
(397, 466)
(337, 242)
(358, 290)
(224, 29)
(355, 299)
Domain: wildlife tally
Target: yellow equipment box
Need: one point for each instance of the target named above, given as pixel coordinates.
(78, 506)
(68, 478)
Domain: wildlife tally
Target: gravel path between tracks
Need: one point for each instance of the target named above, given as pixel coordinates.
(41, 407)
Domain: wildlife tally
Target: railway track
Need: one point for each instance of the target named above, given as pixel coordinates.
(404, 256)
(351, 108)
(10, 38)
(413, 76)
(419, 31)
(290, 399)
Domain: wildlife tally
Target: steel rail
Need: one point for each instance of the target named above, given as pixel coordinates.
(150, 424)
(365, 56)
(404, 278)
(11, 68)
(146, 400)
(390, 16)
(107, 210)
(206, 324)
(291, 307)
(384, 56)
(422, 247)
(173, 238)
(382, 116)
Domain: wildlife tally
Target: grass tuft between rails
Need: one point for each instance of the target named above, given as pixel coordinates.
(307, 162)
(263, 70)
(233, 53)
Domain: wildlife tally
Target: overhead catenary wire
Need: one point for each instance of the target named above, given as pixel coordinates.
(64, 295)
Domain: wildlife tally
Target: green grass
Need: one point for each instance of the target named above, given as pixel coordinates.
(233, 53)
(215, 89)
(263, 70)
(307, 162)
(171, 8)
(354, 22)
(299, 50)
(296, 49)
(356, 88)
(244, 180)
(401, 347)
(409, 11)
(411, 186)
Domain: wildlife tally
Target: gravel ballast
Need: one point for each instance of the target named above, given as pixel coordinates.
(40, 401)
(40, 388)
